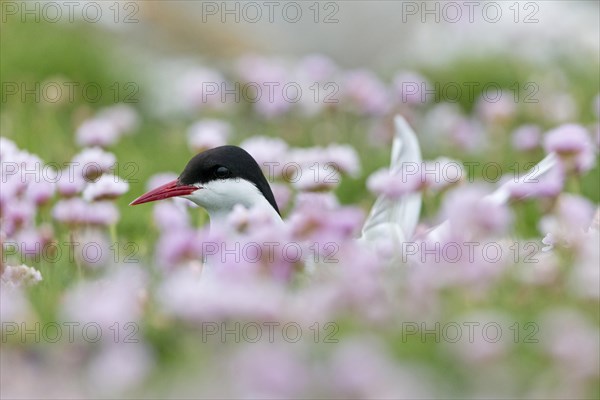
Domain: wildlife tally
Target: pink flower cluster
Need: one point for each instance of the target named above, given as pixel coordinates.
(255, 308)
(107, 126)
(86, 188)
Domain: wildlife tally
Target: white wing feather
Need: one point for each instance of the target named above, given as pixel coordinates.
(396, 219)
(502, 194)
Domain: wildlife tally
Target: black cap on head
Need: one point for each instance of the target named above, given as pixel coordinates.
(226, 162)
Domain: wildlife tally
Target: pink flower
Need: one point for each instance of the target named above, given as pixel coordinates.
(107, 127)
(169, 215)
(97, 132)
(251, 242)
(91, 162)
(120, 367)
(115, 298)
(559, 107)
(322, 226)
(315, 74)
(361, 368)
(471, 213)
(258, 69)
(12, 187)
(549, 241)
(585, 277)
(572, 341)
(202, 88)
(569, 138)
(254, 218)
(70, 183)
(320, 177)
(549, 185)
(122, 116)
(267, 78)
(468, 135)
(440, 121)
(482, 340)
(335, 157)
(21, 157)
(569, 221)
(325, 201)
(282, 193)
(175, 247)
(76, 211)
(526, 137)
(7, 149)
(394, 185)
(220, 296)
(106, 187)
(275, 104)
(207, 134)
(40, 192)
(343, 157)
(544, 271)
(573, 144)
(17, 214)
(441, 173)
(20, 169)
(315, 68)
(365, 93)
(102, 213)
(270, 153)
(411, 88)
(273, 371)
(32, 241)
(19, 276)
(14, 305)
(472, 263)
(496, 110)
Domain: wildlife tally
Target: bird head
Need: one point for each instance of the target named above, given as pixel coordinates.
(217, 180)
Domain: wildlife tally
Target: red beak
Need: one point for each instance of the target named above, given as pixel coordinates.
(171, 189)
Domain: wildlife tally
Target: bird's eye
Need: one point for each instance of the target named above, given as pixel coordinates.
(222, 172)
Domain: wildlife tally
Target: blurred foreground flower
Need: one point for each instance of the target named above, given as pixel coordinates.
(574, 146)
(573, 343)
(471, 214)
(114, 298)
(21, 275)
(569, 223)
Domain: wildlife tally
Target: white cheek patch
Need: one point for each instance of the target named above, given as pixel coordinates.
(228, 186)
(236, 190)
(223, 194)
(219, 197)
